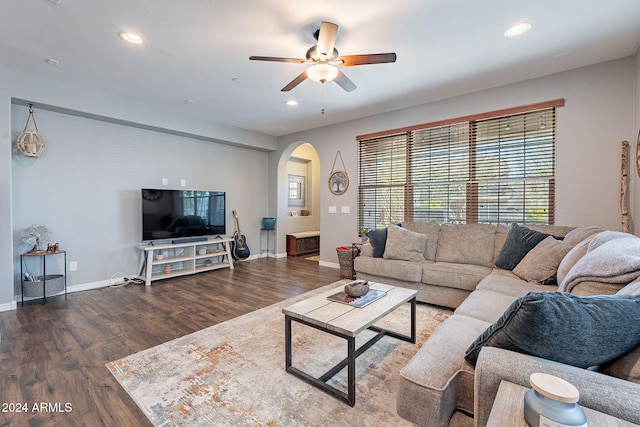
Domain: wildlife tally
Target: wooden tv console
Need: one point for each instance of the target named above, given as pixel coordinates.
(178, 259)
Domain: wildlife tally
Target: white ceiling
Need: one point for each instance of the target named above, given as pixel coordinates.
(199, 50)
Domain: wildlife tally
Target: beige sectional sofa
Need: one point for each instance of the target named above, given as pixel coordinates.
(457, 269)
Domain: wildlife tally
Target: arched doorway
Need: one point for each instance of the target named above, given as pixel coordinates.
(298, 194)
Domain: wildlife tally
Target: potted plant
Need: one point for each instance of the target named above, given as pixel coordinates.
(363, 233)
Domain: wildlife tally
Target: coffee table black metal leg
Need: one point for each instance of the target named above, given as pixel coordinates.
(351, 371)
(287, 339)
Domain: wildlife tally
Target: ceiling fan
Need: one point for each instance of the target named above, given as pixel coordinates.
(324, 60)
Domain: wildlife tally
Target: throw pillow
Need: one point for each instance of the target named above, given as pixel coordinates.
(578, 234)
(404, 244)
(519, 242)
(540, 265)
(378, 239)
(566, 328)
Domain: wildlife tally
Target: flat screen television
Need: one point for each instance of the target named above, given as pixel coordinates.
(168, 214)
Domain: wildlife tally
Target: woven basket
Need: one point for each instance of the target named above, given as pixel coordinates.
(55, 285)
(345, 255)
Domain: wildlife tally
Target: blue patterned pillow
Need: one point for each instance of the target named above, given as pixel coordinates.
(566, 328)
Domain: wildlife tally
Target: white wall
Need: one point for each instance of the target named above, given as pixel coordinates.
(597, 116)
(106, 148)
(86, 187)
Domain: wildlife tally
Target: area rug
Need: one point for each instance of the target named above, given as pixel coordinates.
(232, 374)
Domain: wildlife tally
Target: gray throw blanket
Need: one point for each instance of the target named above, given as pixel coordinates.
(612, 257)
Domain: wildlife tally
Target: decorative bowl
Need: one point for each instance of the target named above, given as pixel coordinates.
(356, 288)
(268, 223)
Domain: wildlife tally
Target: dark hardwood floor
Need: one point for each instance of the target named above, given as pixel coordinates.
(55, 354)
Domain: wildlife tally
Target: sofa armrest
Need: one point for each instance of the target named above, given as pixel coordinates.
(609, 395)
(366, 250)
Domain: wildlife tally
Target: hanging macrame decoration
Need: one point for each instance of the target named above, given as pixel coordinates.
(338, 179)
(30, 143)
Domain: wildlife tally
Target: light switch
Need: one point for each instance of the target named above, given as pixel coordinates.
(333, 209)
(165, 181)
(345, 209)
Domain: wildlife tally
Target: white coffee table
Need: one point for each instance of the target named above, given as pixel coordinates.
(346, 321)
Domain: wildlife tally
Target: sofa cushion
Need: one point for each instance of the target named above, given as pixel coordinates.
(438, 379)
(401, 270)
(466, 243)
(578, 331)
(454, 275)
(404, 244)
(505, 282)
(431, 229)
(519, 242)
(540, 265)
(626, 366)
(487, 306)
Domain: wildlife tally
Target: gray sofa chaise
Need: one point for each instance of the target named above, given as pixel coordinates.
(457, 269)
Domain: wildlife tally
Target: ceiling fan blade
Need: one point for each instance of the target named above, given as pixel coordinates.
(276, 59)
(344, 82)
(372, 58)
(295, 82)
(326, 39)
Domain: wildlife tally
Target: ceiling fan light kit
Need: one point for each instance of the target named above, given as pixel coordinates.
(322, 73)
(325, 60)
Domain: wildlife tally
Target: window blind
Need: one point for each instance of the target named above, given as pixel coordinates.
(490, 169)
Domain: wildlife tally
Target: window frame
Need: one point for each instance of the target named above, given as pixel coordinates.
(405, 186)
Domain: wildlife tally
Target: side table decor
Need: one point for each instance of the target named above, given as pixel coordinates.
(552, 401)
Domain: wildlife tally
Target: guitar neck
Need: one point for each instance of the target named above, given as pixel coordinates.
(235, 215)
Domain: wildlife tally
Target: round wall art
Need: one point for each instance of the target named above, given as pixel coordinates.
(338, 179)
(338, 182)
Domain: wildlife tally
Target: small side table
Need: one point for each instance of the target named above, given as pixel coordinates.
(44, 278)
(508, 410)
(266, 232)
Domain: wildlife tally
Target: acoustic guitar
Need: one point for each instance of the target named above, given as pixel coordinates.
(240, 248)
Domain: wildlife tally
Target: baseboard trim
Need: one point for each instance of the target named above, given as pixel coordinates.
(9, 306)
(329, 264)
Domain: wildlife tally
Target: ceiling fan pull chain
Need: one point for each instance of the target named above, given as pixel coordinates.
(322, 98)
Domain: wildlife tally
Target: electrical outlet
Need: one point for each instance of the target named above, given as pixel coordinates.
(165, 181)
(183, 183)
(73, 266)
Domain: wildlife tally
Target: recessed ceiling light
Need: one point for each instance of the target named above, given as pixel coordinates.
(517, 29)
(130, 37)
(291, 102)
